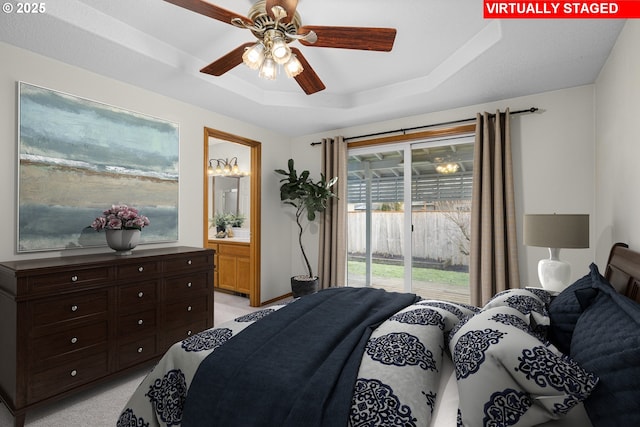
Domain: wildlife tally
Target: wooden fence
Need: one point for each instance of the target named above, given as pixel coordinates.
(436, 236)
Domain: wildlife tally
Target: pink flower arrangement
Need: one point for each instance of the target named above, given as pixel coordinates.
(120, 217)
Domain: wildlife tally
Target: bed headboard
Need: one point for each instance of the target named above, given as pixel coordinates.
(623, 271)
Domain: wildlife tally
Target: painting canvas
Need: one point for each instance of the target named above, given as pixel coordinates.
(78, 157)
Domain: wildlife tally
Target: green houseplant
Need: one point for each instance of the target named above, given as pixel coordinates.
(309, 198)
(221, 220)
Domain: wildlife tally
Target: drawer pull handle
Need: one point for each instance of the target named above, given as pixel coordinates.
(189, 285)
(189, 333)
(189, 308)
(74, 308)
(140, 269)
(74, 340)
(140, 349)
(74, 278)
(140, 321)
(189, 262)
(74, 373)
(140, 294)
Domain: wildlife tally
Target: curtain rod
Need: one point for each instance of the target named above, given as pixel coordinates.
(529, 110)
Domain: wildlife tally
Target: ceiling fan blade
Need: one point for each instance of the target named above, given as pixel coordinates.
(307, 79)
(210, 10)
(288, 5)
(227, 62)
(361, 38)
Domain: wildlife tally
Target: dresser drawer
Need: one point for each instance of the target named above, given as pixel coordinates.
(66, 376)
(136, 351)
(131, 296)
(73, 340)
(185, 286)
(137, 323)
(71, 278)
(188, 261)
(139, 270)
(183, 332)
(187, 311)
(74, 306)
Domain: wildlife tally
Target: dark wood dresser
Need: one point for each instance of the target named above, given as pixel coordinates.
(67, 323)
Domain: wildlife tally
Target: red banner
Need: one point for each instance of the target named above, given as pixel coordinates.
(517, 9)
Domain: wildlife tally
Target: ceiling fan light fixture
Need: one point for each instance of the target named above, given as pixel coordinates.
(280, 51)
(293, 67)
(254, 56)
(269, 69)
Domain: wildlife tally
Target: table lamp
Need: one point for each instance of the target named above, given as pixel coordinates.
(555, 232)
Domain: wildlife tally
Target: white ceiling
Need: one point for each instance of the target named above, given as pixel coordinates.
(445, 56)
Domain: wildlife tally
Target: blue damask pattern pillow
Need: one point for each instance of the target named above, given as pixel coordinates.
(524, 300)
(606, 341)
(455, 315)
(400, 370)
(507, 376)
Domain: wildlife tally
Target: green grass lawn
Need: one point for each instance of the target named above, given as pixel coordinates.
(418, 274)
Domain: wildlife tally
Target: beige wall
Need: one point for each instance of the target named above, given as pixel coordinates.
(22, 65)
(617, 145)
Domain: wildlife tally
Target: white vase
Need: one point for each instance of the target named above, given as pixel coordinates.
(122, 241)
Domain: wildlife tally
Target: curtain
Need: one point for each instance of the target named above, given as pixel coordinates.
(332, 259)
(493, 256)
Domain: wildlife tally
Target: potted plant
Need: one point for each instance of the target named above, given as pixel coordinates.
(122, 225)
(221, 220)
(237, 220)
(308, 198)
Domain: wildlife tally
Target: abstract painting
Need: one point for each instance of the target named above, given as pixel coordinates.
(77, 157)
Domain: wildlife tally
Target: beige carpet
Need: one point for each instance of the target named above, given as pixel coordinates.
(101, 406)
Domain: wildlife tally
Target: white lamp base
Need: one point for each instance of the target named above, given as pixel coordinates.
(554, 274)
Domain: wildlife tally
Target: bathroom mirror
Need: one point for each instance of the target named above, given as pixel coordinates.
(232, 181)
(229, 176)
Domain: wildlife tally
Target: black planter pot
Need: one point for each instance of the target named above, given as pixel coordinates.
(304, 285)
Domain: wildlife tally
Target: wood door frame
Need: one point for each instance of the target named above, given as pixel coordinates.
(255, 209)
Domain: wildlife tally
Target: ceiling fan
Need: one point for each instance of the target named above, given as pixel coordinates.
(276, 24)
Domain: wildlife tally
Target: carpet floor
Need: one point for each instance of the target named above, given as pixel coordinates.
(100, 406)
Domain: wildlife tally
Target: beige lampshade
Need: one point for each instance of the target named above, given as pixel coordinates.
(556, 230)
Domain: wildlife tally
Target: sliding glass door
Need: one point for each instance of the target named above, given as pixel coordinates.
(376, 236)
(409, 217)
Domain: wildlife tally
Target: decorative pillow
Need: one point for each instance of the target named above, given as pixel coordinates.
(508, 377)
(523, 300)
(400, 369)
(566, 308)
(530, 302)
(606, 341)
(455, 315)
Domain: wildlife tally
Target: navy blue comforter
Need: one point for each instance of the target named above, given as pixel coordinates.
(295, 367)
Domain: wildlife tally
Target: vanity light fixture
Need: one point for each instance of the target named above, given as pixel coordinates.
(225, 167)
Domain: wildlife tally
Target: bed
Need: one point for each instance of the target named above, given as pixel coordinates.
(366, 357)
